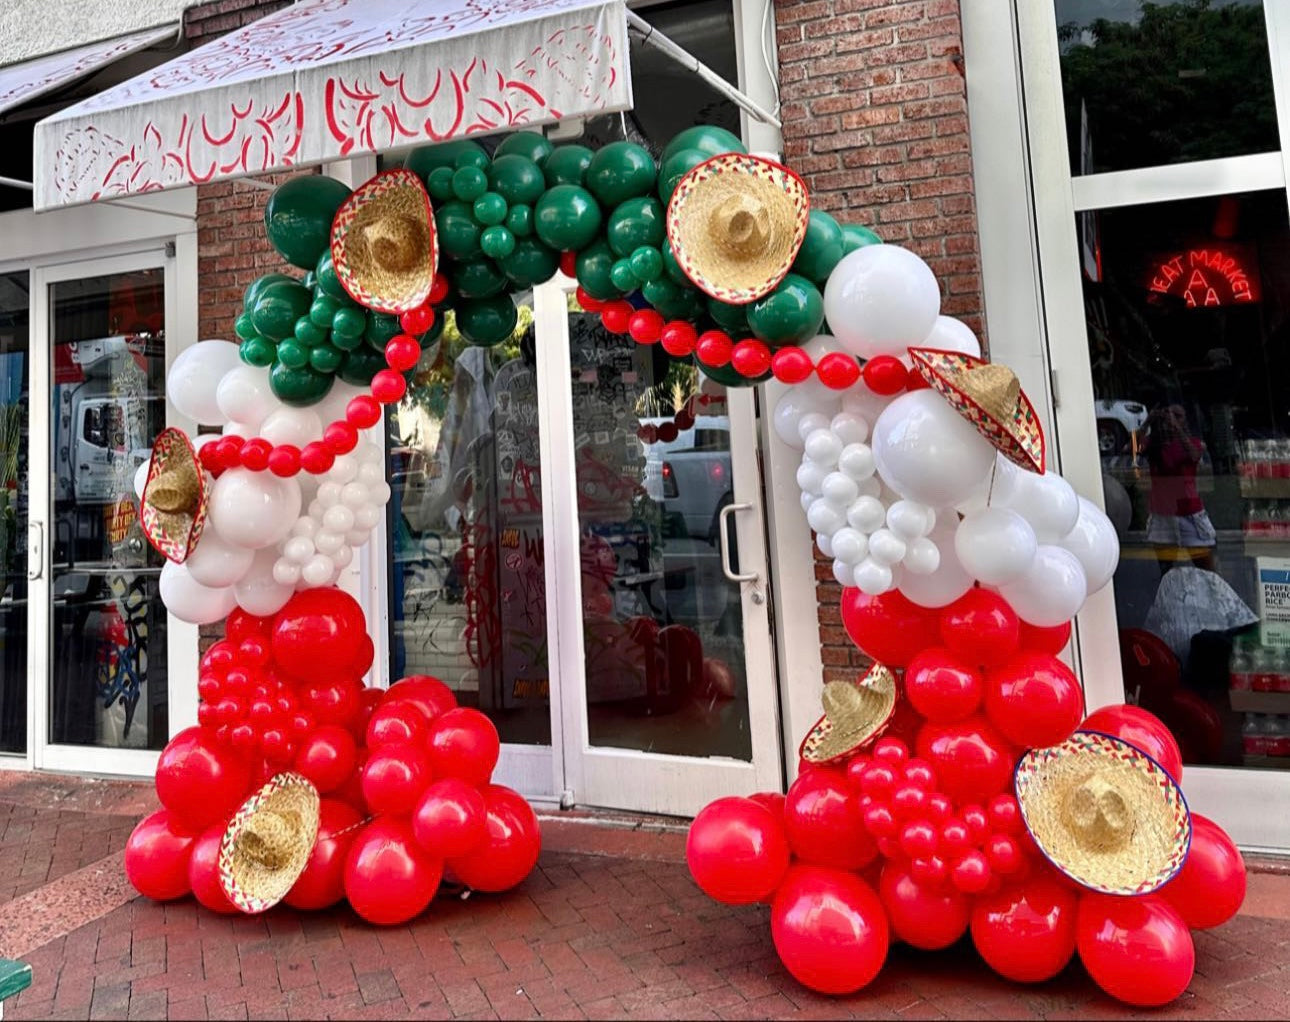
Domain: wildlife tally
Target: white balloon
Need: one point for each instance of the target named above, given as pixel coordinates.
(856, 460)
(825, 517)
(886, 547)
(824, 543)
(910, 519)
(342, 557)
(807, 498)
(305, 526)
(343, 469)
(259, 592)
(370, 472)
(380, 493)
(328, 542)
(195, 376)
(1046, 501)
(217, 564)
(850, 428)
(338, 518)
(1051, 592)
(296, 426)
(253, 509)
(995, 544)
(922, 556)
(811, 397)
(866, 514)
(353, 495)
(999, 484)
(839, 488)
(202, 439)
(1095, 543)
(926, 451)
(299, 549)
(357, 537)
(881, 299)
(871, 487)
(332, 407)
(843, 573)
(810, 477)
(317, 571)
(950, 334)
(862, 401)
(823, 447)
(244, 395)
(140, 479)
(329, 493)
(873, 578)
(285, 572)
(243, 429)
(949, 581)
(849, 546)
(191, 601)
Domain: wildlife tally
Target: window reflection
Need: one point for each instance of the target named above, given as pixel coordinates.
(15, 307)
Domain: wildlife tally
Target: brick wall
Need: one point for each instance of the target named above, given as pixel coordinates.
(875, 119)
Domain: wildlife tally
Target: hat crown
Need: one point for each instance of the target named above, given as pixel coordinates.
(396, 242)
(994, 387)
(841, 699)
(269, 838)
(741, 224)
(175, 489)
(1099, 815)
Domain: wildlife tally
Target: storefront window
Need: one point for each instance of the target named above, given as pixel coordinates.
(1188, 317)
(14, 366)
(1151, 83)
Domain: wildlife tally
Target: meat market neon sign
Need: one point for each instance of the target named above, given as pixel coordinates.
(1204, 278)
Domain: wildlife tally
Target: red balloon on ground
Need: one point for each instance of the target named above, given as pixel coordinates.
(1138, 950)
(923, 918)
(319, 633)
(942, 687)
(322, 884)
(388, 878)
(1034, 639)
(824, 822)
(327, 756)
(451, 819)
(396, 722)
(981, 628)
(200, 781)
(1034, 699)
(1210, 887)
(333, 702)
(1141, 729)
(973, 761)
(203, 871)
(772, 800)
(429, 694)
(463, 743)
(890, 628)
(829, 929)
(510, 851)
(394, 777)
(156, 858)
(351, 789)
(368, 700)
(1026, 932)
(737, 851)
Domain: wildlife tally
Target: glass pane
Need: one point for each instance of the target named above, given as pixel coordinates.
(1188, 311)
(109, 685)
(663, 629)
(1170, 81)
(15, 308)
(468, 590)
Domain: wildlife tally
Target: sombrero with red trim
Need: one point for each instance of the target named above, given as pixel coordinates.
(384, 245)
(735, 224)
(855, 712)
(268, 842)
(172, 510)
(989, 396)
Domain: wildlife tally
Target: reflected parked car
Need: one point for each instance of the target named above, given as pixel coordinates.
(690, 476)
(1117, 423)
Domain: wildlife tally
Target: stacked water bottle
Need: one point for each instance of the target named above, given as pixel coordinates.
(1259, 668)
(1265, 459)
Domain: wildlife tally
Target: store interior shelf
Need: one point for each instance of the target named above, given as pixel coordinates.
(1256, 546)
(1260, 702)
(1266, 489)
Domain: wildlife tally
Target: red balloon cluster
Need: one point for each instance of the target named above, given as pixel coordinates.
(404, 774)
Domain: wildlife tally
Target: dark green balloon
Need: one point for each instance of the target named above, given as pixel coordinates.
(309, 333)
(686, 304)
(298, 217)
(243, 328)
(469, 183)
(672, 268)
(439, 184)
(532, 145)
(322, 309)
(436, 330)
(660, 291)
(478, 278)
(621, 171)
(259, 284)
(458, 231)
(327, 281)
(634, 223)
(733, 319)
(531, 263)
(300, 387)
(675, 167)
(593, 267)
(728, 376)
(258, 351)
(517, 179)
(567, 165)
(326, 358)
(490, 209)
(790, 314)
(707, 139)
(278, 307)
(381, 328)
(311, 280)
(519, 221)
(854, 236)
(429, 158)
(292, 354)
(647, 263)
(487, 321)
(360, 365)
(347, 342)
(623, 276)
(822, 248)
(349, 322)
(567, 218)
(497, 242)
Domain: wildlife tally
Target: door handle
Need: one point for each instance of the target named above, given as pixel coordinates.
(723, 528)
(35, 550)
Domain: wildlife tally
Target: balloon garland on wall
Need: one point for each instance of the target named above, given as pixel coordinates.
(956, 787)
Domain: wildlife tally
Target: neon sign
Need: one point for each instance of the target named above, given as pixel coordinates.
(1204, 278)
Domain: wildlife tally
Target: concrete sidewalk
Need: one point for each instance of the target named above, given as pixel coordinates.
(609, 926)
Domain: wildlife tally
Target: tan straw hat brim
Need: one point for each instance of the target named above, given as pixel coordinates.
(268, 843)
(831, 740)
(395, 202)
(737, 272)
(1157, 834)
(172, 510)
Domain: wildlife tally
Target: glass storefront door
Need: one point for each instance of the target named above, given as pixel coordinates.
(15, 364)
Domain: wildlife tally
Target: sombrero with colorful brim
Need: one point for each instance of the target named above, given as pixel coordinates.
(989, 396)
(735, 224)
(855, 713)
(383, 243)
(172, 510)
(268, 843)
(1104, 813)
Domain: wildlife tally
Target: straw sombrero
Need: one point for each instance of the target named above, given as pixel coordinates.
(989, 396)
(383, 243)
(735, 223)
(268, 843)
(854, 713)
(173, 507)
(1104, 813)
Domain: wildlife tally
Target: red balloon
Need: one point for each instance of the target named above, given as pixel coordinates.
(464, 743)
(1210, 887)
(1138, 950)
(829, 929)
(327, 756)
(365, 656)
(394, 777)
(322, 884)
(318, 634)
(890, 628)
(335, 702)
(451, 819)
(772, 800)
(824, 822)
(1026, 932)
(981, 627)
(397, 722)
(1052, 641)
(837, 370)
(351, 789)
(1141, 729)
(1196, 725)
(200, 781)
(240, 625)
(1034, 699)
(388, 878)
(203, 871)
(942, 687)
(791, 365)
(972, 760)
(737, 851)
(511, 849)
(885, 375)
(156, 858)
(368, 700)
(923, 918)
(428, 694)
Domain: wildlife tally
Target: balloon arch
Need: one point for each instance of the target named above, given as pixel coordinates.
(957, 787)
